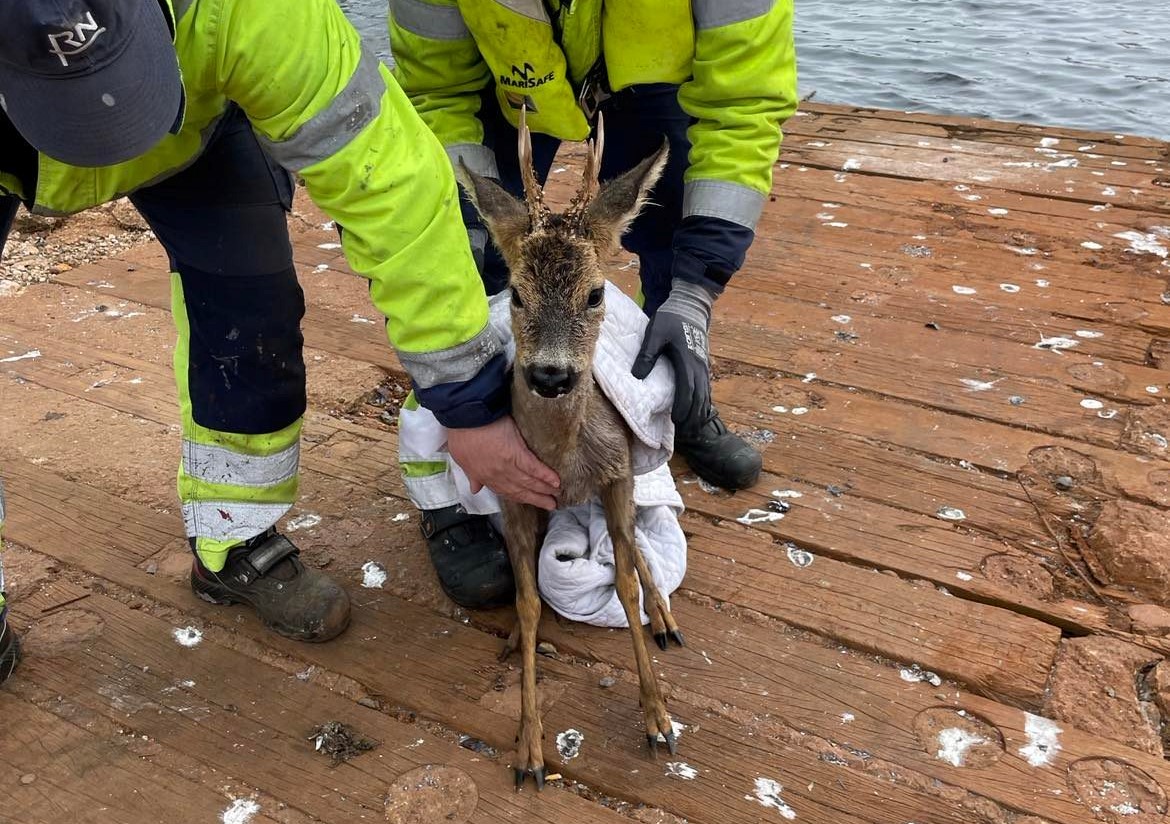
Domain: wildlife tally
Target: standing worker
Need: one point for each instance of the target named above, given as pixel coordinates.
(199, 110)
(716, 78)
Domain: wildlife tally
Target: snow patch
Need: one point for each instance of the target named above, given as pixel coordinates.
(1043, 740)
(240, 812)
(768, 795)
(373, 575)
(953, 744)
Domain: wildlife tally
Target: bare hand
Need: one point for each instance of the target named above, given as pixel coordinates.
(496, 456)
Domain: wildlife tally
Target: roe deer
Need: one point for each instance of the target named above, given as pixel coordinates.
(558, 293)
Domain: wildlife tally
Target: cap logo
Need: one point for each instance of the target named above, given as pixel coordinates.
(74, 41)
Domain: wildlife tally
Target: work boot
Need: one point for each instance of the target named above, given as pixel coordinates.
(9, 647)
(266, 574)
(717, 455)
(470, 558)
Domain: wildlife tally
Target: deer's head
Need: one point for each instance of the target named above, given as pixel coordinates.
(557, 281)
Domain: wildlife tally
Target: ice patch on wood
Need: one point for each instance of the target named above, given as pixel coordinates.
(840, 318)
(188, 636)
(1056, 344)
(953, 744)
(915, 673)
(1043, 740)
(851, 165)
(951, 513)
(801, 558)
(1089, 333)
(305, 521)
(768, 795)
(997, 212)
(759, 516)
(569, 743)
(1147, 243)
(1010, 288)
(681, 769)
(964, 576)
(962, 290)
(1092, 403)
(1091, 244)
(373, 575)
(240, 812)
(29, 355)
(974, 385)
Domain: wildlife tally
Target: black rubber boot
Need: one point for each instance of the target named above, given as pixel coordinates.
(717, 455)
(470, 558)
(266, 574)
(9, 647)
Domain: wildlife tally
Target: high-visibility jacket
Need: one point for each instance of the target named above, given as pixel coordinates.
(734, 61)
(325, 108)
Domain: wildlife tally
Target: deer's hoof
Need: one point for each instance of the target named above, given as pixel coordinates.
(660, 639)
(671, 742)
(677, 637)
(537, 773)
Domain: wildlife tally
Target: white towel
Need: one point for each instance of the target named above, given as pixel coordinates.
(575, 569)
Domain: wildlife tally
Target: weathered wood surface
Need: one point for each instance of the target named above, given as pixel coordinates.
(912, 285)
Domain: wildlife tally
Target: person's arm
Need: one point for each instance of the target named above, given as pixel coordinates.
(742, 89)
(438, 65)
(327, 109)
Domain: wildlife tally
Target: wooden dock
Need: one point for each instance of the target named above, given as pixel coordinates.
(950, 343)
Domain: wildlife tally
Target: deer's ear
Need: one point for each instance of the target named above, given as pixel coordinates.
(618, 202)
(506, 216)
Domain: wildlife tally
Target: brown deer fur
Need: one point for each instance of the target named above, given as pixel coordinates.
(557, 283)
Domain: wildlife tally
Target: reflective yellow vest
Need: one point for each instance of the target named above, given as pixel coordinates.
(328, 110)
(734, 60)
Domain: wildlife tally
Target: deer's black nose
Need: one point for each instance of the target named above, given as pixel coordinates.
(550, 381)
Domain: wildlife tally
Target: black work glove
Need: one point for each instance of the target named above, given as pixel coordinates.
(678, 330)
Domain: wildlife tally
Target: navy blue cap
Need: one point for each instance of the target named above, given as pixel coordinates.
(89, 82)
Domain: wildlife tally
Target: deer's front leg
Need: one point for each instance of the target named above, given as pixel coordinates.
(618, 500)
(521, 524)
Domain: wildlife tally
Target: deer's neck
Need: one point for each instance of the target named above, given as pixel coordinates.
(551, 427)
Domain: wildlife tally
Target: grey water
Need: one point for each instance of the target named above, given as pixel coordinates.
(1081, 64)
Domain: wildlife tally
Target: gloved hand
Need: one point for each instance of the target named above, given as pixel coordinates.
(679, 330)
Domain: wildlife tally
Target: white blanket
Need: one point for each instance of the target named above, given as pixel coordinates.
(575, 569)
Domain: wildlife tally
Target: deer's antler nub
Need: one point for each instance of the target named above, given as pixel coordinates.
(538, 213)
(580, 202)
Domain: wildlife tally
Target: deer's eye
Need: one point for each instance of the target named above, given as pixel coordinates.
(595, 297)
(516, 300)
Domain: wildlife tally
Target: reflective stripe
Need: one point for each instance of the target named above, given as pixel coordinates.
(430, 20)
(710, 14)
(459, 363)
(718, 198)
(529, 8)
(431, 491)
(230, 520)
(218, 465)
(476, 157)
(332, 128)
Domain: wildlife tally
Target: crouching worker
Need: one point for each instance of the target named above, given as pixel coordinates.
(715, 78)
(200, 110)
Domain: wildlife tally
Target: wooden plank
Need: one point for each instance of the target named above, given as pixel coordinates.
(993, 652)
(460, 689)
(368, 457)
(841, 601)
(984, 444)
(862, 708)
(52, 771)
(836, 114)
(233, 714)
